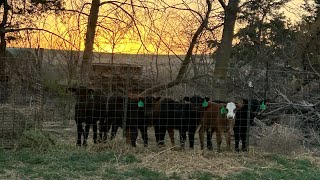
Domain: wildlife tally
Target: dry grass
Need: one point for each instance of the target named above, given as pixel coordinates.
(169, 160)
(173, 160)
(14, 120)
(277, 138)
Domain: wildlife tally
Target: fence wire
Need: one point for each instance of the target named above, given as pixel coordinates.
(44, 93)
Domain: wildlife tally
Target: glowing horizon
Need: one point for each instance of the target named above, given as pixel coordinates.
(173, 29)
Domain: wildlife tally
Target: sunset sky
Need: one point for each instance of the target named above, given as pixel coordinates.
(159, 31)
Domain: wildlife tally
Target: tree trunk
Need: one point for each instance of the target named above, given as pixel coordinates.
(3, 75)
(224, 50)
(90, 35)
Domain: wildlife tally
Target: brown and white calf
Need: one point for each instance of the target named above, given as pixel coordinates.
(218, 118)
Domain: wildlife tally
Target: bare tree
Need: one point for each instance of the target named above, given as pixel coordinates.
(18, 16)
(223, 52)
(90, 35)
(3, 78)
(225, 48)
(114, 30)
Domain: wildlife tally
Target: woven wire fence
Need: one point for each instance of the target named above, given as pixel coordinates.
(38, 94)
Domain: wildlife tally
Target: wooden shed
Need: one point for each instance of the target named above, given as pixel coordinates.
(118, 78)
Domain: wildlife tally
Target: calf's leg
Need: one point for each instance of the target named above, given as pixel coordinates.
(171, 135)
(134, 136)
(244, 139)
(219, 139)
(191, 138)
(86, 134)
(157, 133)
(80, 131)
(228, 139)
(209, 138)
(144, 133)
(236, 139)
(114, 130)
(201, 136)
(95, 131)
(183, 137)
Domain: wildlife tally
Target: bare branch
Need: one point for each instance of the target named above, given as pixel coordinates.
(223, 4)
(39, 29)
(187, 59)
(311, 66)
(184, 9)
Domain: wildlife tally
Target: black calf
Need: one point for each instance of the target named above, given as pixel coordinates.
(241, 123)
(191, 117)
(169, 119)
(138, 109)
(90, 107)
(184, 117)
(115, 108)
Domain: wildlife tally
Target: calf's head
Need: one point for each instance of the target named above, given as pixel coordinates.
(197, 102)
(230, 109)
(146, 103)
(82, 93)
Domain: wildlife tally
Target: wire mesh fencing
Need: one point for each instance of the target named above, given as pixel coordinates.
(264, 107)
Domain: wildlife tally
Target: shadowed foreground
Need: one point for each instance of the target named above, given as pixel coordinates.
(40, 158)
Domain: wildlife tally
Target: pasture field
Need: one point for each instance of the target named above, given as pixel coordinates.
(43, 156)
(288, 149)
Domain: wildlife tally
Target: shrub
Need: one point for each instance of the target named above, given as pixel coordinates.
(36, 140)
(278, 139)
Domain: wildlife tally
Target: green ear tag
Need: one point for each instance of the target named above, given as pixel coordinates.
(205, 103)
(91, 96)
(263, 106)
(140, 104)
(223, 110)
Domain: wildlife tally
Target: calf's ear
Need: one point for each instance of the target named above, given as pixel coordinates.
(239, 105)
(156, 99)
(91, 91)
(186, 99)
(207, 99)
(133, 96)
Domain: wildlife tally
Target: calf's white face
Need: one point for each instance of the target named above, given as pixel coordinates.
(231, 108)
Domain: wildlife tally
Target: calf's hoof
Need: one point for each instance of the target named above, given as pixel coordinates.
(160, 144)
(245, 150)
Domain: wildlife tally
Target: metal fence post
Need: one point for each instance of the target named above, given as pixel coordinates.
(250, 90)
(39, 95)
(124, 120)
